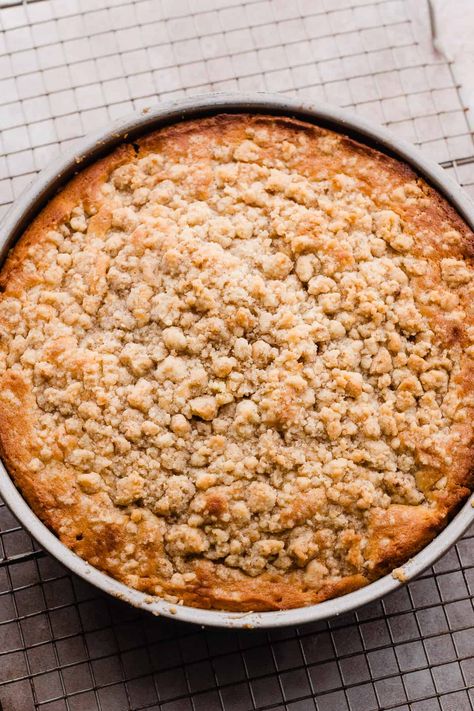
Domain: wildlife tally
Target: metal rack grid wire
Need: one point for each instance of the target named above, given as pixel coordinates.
(69, 66)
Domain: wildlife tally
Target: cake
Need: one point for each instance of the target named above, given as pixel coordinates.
(236, 363)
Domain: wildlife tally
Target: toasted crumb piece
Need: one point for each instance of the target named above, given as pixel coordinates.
(205, 407)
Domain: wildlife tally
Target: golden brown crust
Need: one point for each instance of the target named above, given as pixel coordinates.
(101, 531)
(84, 187)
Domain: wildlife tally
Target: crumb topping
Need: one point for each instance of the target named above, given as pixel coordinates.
(241, 351)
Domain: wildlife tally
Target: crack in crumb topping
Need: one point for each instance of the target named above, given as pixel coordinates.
(241, 351)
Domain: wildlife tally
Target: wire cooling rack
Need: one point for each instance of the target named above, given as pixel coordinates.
(68, 67)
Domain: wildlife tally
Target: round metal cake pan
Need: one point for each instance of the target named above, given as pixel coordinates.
(92, 147)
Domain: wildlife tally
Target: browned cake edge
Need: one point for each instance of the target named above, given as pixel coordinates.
(78, 520)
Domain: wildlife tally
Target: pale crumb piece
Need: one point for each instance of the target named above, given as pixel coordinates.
(129, 489)
(174, 338)
(315, 574)
(455, 272)
(277, 266)
(90, 483)
(184, 540)
(399, 574)
(247, 151)
(304, 267)
(180, 425)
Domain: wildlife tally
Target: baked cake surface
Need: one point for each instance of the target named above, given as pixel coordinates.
(236, 363)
